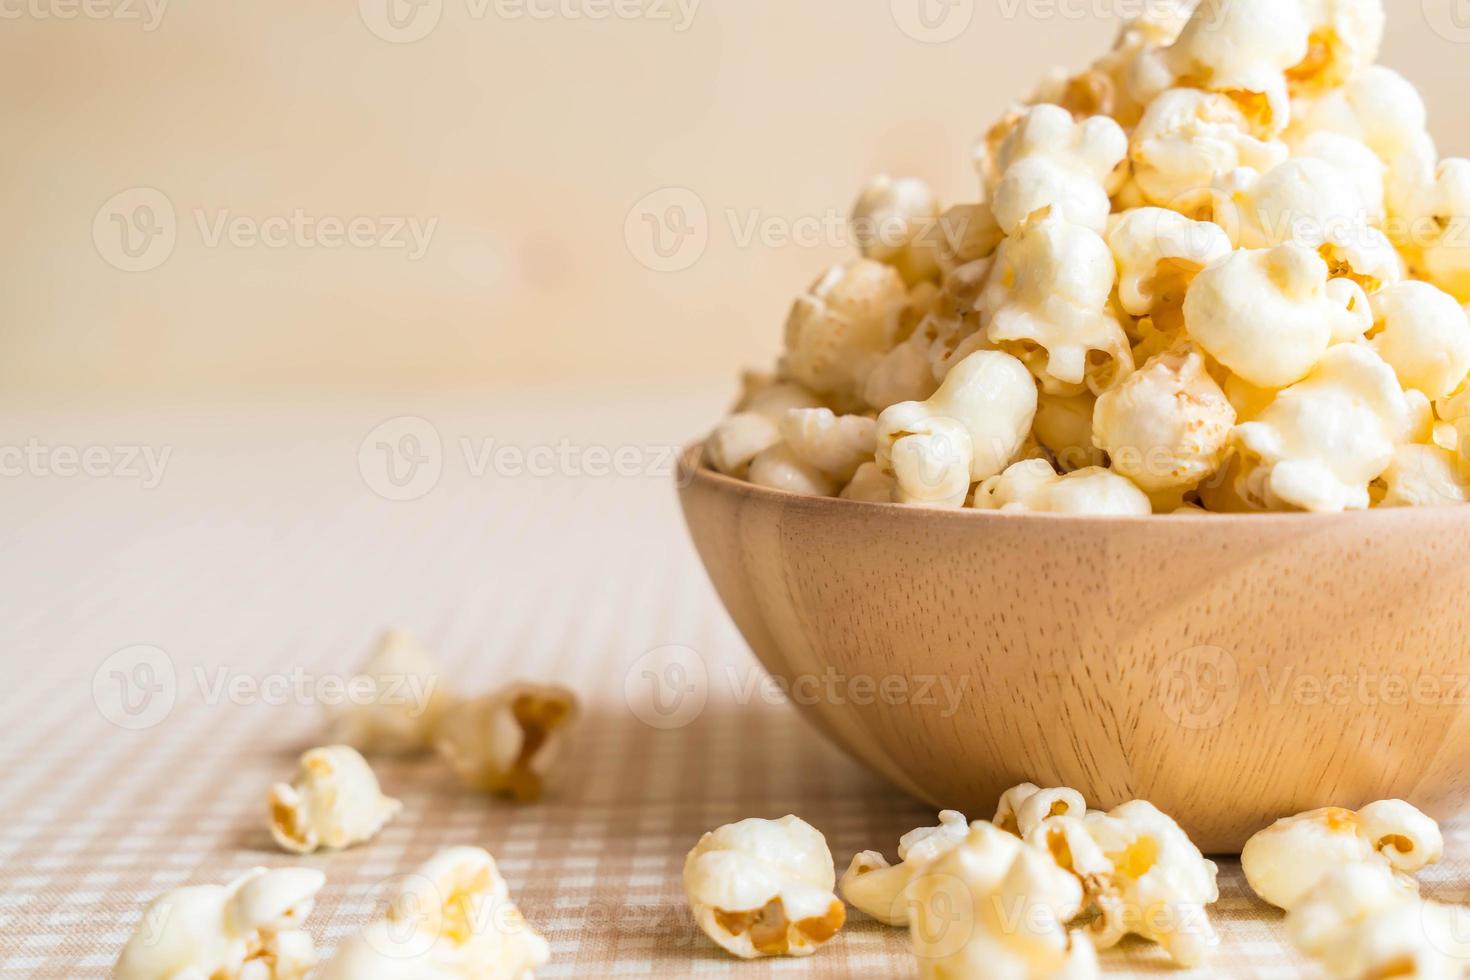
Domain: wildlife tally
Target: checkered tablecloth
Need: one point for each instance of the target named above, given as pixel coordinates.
(268, 554)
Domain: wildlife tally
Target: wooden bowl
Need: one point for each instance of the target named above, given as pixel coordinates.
(1229, 669)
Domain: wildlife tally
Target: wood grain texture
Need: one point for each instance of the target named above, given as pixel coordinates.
(1230, 669)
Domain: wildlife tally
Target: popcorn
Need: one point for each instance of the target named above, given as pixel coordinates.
(507, 742)
(1357, 163)
(1241, 48)
(1022, 808)
(335, 802)
(1032, 485)
(1321, 442)
(755, 426)
(1437, 225)
(993, 907)
(1159, 885)
(1063, 427)
(1048, 295)
(452, 919)
(1292, 856)
(1158, 254)
(871, 885)
(836, 445)
(1344, 40)
(1359, 923)
(967, 233)
(840, 328)
(968, 430)
(894, 222)
(870, 485)
(1188, 140)
(1424, 335)
(1379, 107)
(406, 704)
(781, 469)
(1425, 476)
(1048, 163)
(1167, 426)
(249, 929)
(764, 888)
(1269, 315)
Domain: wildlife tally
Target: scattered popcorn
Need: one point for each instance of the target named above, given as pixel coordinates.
(764, 888)
(894, 223)
(1208, 249)
(1166, 427)
(968, 430)
(250, 929)
(992, 907)
(1292, 856)
(873, 886)
(333, 803)
(407, 700)
(1049, 163)
(1270, 315)
(1032, 485)
(1321, 443)
(1048, 295)
(1359, 923)
(452, 919)
(507, 742)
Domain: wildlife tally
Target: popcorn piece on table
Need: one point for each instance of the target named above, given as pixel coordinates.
(452, 919)
(1359, 923)
(408, 700)
(764, 888)
(1032, 485)
(1270, 315)
(1023, 807)
(1320, 444)
(1049, 163)
(755, 425)
(841, 327)
(1048, 302)
(250, 929)
(1167, 426)
(873, 886)
(1286, 860)
(992, 907)
(333, 803)
(894, 223)
(507, 742)
(970, 429)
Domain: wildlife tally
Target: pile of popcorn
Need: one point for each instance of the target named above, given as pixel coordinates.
(1222, 269)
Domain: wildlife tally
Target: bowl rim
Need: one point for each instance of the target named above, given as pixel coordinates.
(692, 469)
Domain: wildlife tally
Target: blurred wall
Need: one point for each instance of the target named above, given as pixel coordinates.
(282, 196)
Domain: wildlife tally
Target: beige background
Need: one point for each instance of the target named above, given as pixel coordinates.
(527, 142)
